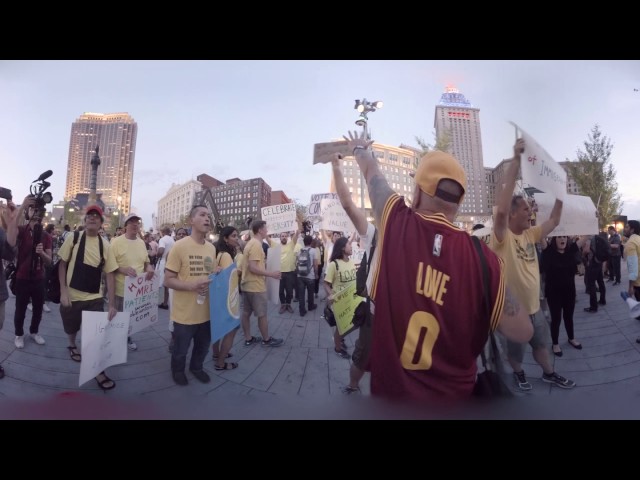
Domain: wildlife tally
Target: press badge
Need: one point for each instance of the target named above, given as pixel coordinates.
(437, 245)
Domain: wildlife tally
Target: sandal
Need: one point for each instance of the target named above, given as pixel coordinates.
(74, 354)
(215, 355)
(227, 366)
(103, 384)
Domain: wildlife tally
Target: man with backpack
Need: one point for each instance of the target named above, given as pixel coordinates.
(307, 270)
(596, 251)
(367, 232)
(83, 257)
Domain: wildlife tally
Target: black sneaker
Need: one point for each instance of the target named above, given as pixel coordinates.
(348, 390)
(313, 307)
(342, 353)
(303, 313)
(558, 380)
(180, 378)
(272, 342)
(251, 341)
(521, 381)
(201, 375)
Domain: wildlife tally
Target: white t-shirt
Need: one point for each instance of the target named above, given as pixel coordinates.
(166, 242)
(365, 243)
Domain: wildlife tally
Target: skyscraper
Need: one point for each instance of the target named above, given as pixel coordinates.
(457, 121)
(116, 134)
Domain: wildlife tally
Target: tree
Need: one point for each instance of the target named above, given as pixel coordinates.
(595, 176)
(442, 142)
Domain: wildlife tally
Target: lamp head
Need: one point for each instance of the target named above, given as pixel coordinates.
(361, 122)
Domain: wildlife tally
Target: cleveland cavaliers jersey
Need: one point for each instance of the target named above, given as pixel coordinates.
(431, 322)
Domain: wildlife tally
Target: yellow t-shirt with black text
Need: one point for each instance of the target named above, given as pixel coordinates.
(250, 281)
(126, 253)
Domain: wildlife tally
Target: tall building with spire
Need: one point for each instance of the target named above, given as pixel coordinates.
(457, 121)
(115, 134)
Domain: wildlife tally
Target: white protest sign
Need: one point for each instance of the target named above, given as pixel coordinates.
(273, 265)
(280, 218)
(323, 152)
(104, 343)
(314, 206)
(141, 301)
(334, 217)
(356, 254)
(578, 214)
(540, 170)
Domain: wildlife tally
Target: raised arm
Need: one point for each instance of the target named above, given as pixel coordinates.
(379, 189)
(355, 214)
(501, 221)
(554, 219)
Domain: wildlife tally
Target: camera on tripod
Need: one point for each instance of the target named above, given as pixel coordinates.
(38, 190)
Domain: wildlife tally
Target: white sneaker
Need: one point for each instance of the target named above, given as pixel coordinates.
(19, 342)
(30, 307)
(37, 338)
(46, 308)
(132, 346)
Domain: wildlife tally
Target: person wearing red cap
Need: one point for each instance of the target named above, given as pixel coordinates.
(431, 320)
(83, 258)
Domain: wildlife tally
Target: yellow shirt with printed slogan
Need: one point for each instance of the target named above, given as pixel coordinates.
(287, 255)
(91, 258)
(126, 253)
(521, 265)
(250, 281)
(190, 260)
(341, 277)
(632, 249)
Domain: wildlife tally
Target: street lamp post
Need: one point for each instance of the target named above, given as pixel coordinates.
(363, 106)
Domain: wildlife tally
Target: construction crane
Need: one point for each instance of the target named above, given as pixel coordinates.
(205, 197)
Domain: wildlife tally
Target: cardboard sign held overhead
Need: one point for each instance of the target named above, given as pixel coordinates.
(323, 152)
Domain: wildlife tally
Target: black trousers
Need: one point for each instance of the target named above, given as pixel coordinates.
(288, 282)
(28, 290)
(305, 285)
(614, 268)
(593, 275)
(561, 307)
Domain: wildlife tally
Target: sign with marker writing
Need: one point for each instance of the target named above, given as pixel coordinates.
(578, 214)
(540, 170)
(141, 301)
(334, 217)
(280, 218)
(104, 343)
(314, 205)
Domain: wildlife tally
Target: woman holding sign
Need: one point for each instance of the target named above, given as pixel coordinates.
(227, 247)
(341, 273)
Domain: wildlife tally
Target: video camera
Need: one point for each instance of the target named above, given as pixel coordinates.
(5, 193)
(38, 190)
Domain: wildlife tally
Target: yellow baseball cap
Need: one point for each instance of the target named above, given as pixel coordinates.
(436, 166)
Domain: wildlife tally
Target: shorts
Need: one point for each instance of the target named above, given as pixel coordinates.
(254, 302)
(362, 347)
(72, 316)
(541, 338)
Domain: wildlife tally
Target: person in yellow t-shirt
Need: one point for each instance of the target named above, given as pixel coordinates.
(190, 262)
(127, 256)
(227, 247)
(341, 273)
(80, 275)
(254, 287)
(288, 278)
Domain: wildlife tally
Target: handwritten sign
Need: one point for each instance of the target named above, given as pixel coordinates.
(356, 254)
(578, 214)
(344, 305)
(280, 218)
(225, 302)
(334, 217)
(141, 301)
(314, 206)
(540, 170)
(273, 265)
(323, 152)
(104, 343)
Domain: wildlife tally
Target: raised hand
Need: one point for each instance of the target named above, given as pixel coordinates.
(358, 141)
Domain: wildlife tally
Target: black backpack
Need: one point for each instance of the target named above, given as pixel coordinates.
(303, 265)
(363, 269)
(602, 249)
(52, 284)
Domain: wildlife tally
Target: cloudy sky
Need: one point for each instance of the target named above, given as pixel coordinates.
(261, 118)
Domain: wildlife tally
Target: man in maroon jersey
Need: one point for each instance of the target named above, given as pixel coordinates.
(431, 321)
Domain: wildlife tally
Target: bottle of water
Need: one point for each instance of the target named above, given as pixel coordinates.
(201, 298)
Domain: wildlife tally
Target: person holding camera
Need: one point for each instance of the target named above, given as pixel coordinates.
(34, 254)
(8, 238)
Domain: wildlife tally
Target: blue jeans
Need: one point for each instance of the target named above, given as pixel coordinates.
(183, 334)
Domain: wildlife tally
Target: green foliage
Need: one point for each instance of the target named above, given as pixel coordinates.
(442, 142)
(595, 176)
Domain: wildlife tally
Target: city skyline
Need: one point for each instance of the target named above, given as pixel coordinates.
(251, 119)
